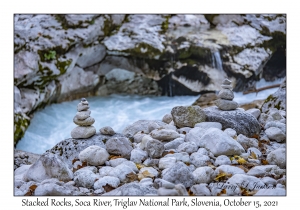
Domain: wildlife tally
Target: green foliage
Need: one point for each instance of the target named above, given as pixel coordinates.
(51, 55)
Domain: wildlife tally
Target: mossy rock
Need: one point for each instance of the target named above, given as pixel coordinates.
(21, 123)
(276, 100)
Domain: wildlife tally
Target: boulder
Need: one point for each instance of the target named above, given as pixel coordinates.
(239, 120)
(219, 143)
(187, 116)
(48, 166)
(69, 149)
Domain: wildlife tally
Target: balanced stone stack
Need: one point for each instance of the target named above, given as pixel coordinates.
(225, 101)
(84, 121)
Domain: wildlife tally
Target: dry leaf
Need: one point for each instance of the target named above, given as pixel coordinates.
(132, 177)
(108, 188)
(264, 162)
(139, 165)
(145, 174)
(223, 191)
(222, 176)
(253, 155)
(190, 192)
(112, 157)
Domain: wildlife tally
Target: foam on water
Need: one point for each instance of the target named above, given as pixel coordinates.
(55, 123)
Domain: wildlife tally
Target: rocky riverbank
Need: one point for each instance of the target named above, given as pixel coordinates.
(191, 151)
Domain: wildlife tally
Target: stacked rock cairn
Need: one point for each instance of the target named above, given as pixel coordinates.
(225, 101)
(84, 121)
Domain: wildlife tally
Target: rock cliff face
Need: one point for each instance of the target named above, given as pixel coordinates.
(65, 57)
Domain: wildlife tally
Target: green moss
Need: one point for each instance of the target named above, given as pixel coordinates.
(278, 41)
(270, 98)
(165, 24)
(144, 50)
(20, 124)
(63, 65)
(51, 55)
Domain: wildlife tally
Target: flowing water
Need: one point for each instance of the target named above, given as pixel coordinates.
(55, 123)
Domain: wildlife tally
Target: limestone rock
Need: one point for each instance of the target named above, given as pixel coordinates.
(119, 146)
(247, 142)
(204, 175)
(239, 120)
(173, 144)
(106, 180)
(254, 112)
(132, 189)
(275, 133)
(83, 132)
(52, 187)
(200, 190)
(244, 181)
(82, 115)
(166, 162)
(187, 116)
(138, 155)
(85, 178)
(271, 192)
(94, 155)
(154, 148)
(140, 125)
(179, 174)
(188, 147)
(226, 105)
(164, 134)
(222, 160)
(48, 166)
(86, 122)
(277, 157)
(167, 118)
(82, 107)
(107, 131)
(276, 100)
(199, 160)
(219, 143)
(206, 125)
(228, 169)
(266, 170)
(226, 94)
